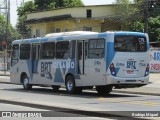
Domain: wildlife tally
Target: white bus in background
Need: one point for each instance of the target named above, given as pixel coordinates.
(81, 60)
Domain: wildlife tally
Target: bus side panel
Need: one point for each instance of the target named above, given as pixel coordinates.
(25, 66)
(15, 74)
(53, 72)
(110, 54)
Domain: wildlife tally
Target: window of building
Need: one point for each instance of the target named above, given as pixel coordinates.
(96, 48)
(14, 54)
(55, 30)
(85, 28)
(89, 13)
(48, 50)
(62, 50)
(65, 30)
(37, 32)
(25, 51)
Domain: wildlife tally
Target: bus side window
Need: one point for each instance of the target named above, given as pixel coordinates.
(96, 48)
(25, 51)
(62, 50)
(73, 45)
(14, 54)
(86, 49)
(48, 50)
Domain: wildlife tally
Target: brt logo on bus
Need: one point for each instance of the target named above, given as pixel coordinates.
(131, 64)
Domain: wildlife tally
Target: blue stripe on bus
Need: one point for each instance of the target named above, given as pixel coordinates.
(59, 38)
(34, 40)
(44, 39)
(110, 53)
(58, 76)
(102, 35)
(130, 33)
(25, 41)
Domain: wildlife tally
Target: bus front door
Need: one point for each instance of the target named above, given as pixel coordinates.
(35, 60)
(82, 62)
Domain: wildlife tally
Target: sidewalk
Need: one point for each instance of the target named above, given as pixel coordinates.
(153, 88)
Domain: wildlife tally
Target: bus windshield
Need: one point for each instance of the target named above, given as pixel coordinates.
(130, 43)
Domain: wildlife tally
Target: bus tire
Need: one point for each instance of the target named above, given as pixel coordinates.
(25, 82)
(70, 84)
(55, 87)
(104, 90)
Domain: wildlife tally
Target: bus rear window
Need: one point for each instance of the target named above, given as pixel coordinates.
(130, 43)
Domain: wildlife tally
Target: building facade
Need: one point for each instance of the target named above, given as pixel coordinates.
(97, 18)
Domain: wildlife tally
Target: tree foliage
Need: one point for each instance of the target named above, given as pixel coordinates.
(44, 4)
(72, 3)
(154, 28)
(50, 4)
(7, 34)
(147, 10)
(126, 11)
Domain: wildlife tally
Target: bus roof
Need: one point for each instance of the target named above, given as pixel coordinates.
(74, 35)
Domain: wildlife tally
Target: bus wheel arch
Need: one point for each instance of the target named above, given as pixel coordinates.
(70, 83)
(25, 81)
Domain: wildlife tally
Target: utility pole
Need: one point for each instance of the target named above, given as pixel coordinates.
(5, 11)
(146, 16)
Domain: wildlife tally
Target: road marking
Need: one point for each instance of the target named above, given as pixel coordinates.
(141, 102)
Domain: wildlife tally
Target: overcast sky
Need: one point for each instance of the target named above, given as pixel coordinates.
(86, 2)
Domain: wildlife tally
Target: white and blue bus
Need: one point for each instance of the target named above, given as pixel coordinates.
(80, 60)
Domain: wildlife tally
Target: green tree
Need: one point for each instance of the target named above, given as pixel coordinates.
(154, 28)
(21, 26)
(126, 11)
(153, 8)
(8, 36)
(72, 3)
(44, 4)
(27, 7)
(137, 26)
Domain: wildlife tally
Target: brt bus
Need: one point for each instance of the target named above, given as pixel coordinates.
(80, 60)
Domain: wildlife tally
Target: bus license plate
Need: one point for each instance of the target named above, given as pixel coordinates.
(130, 71)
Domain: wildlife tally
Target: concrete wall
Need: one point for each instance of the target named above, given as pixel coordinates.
(77, 12)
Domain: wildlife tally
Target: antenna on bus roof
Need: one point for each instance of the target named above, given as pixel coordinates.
(70, 33)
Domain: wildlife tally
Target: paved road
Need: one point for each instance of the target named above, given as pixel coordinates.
(151, 89)
(17, 111)
(88, 101)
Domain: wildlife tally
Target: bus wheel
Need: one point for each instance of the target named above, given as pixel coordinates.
(55, 87)
(25, 82)
(104, 90)
(70, 84)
